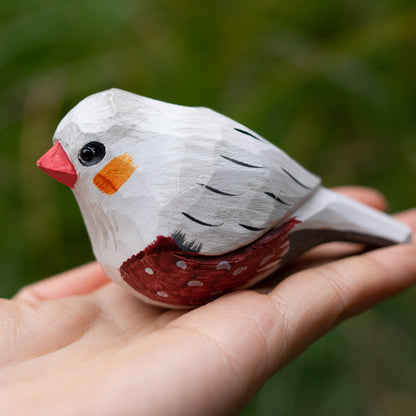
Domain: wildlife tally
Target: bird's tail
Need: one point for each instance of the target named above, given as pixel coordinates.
(329, 216)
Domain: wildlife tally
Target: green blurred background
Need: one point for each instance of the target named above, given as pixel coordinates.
(332, 82)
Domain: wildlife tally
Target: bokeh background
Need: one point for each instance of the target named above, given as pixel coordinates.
(332, 82)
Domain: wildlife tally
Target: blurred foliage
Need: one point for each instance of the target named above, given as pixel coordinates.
(332, 82)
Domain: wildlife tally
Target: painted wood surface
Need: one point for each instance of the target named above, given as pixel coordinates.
(149, 175)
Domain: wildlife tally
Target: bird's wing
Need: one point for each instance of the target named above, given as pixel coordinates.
(237, 187)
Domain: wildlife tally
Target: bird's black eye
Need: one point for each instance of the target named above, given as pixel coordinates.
(91, 154)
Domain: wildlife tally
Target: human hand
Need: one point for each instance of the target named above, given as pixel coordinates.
(76, 344)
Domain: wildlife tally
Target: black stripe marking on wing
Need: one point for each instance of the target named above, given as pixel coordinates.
(217, 191)
(296, 180)
(179, 237)
(190, 217)
(246, 165)
(249, 227)
(247, 133)
(276, 198)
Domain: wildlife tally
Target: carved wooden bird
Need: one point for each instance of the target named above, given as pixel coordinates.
(183, 204)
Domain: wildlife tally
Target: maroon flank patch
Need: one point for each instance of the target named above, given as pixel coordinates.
(165, 273)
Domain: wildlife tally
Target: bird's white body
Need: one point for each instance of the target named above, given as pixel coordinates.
(191, 174)
(174, 149)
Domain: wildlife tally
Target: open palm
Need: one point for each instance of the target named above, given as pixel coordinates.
(77, 344)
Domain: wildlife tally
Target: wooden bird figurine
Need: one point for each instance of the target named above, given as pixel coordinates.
(183, 204)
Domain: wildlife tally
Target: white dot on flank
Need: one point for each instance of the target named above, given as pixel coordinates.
(148, 270)
(195, 283)
(223, 265)
(239, 270)
(181, 264)
(266, 259)
(162, 294)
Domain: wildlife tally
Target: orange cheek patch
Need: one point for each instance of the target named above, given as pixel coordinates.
(114, 174)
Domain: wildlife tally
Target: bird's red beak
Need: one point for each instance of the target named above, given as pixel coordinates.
(56, 163)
